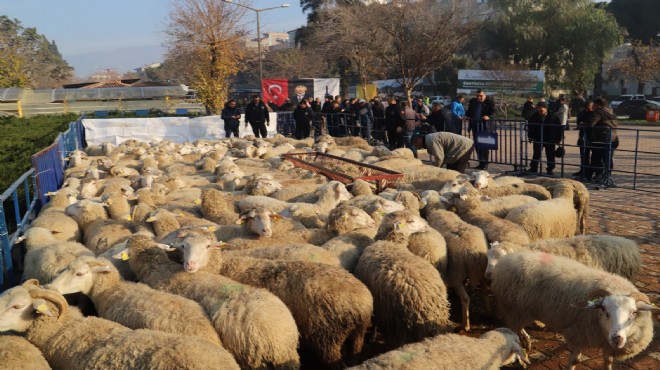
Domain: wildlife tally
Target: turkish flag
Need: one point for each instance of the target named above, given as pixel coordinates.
(276, 91)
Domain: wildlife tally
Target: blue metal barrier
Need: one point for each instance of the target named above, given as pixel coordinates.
(21, 218)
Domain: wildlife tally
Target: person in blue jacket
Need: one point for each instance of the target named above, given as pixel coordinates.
(457, 115)
(231, 115)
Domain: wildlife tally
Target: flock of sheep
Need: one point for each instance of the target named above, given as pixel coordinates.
(222, 255)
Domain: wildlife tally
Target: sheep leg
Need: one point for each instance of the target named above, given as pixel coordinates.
(465, 305)
(525, 339)
(574, 359)
(607, 361)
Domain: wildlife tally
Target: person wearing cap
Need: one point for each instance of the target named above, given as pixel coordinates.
(447, 148)
(544, 131)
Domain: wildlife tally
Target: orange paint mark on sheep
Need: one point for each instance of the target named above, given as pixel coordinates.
(546, 258)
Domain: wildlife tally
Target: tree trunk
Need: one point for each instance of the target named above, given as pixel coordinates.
(598, 81)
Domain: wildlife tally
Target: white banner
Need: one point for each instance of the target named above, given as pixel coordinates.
(176, 129)
(323, 86)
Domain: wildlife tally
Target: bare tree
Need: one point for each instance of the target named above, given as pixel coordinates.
(349, 33)
(207, 34)
(418, 37)
(293, 63)
(643, 64)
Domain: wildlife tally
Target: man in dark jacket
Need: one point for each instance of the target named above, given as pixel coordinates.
(583, 117)
(440, 118)
(230, 114)
(256, 114)
(603, 139)
(394, 123)
(545, 132)
(303, 116)
(528, 108)
(479, 112)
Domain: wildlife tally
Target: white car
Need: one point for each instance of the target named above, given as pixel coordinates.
(621, 98)
(444, 100)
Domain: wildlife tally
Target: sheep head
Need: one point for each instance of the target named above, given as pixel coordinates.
(481, 179)
(455, 185)
(21, 305)
(514, 351)
(259, 221)
(196, 251)
(400, 224)
(496, 251)
(617, 312)
(344, 219)
(78, 276)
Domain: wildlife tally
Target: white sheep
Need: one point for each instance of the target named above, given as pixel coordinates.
(16, 353)
(610, 253)
(553, 218)
(467, 255)
(99, 232)
(253, 324)
(590, 308)
(331, 307)
(410, 299)
(469, 208)
(483, 179)
(218, 207)
(46, 256)
(491, 351)
(70, 341)
(580, 198)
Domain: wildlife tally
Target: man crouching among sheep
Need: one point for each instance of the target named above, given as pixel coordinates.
(447, 148)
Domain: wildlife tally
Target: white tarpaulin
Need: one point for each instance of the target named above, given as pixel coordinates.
(176, 129)
(326, 86)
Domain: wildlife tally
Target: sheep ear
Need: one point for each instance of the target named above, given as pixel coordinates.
(31, 283)
(642, 302)
(41, 307)
(101, 269)
(165, 247)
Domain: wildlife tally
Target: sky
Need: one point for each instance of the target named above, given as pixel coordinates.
(94, 35)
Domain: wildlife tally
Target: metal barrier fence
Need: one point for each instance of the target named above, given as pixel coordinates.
(25, 184)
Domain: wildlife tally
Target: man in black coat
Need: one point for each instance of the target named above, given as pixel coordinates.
(480, 111)
(394, 123)
(230, 114)
(545, 132)
(256, 114)
(440, 118)
(303, 116)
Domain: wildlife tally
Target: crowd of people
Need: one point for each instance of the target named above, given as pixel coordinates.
(439, 129)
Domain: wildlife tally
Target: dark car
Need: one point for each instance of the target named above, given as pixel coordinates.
(635, 107)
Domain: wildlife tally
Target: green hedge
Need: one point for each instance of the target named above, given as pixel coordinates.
(22, 137)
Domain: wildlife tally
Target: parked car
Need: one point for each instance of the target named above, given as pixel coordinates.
(621, 98)
(444, 100)
(635, 108)
(655, 98)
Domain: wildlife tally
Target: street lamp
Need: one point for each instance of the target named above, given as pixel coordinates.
(258, 11)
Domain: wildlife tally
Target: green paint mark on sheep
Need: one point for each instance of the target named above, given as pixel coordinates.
(228, 289)
(407, 357)
(312, 257)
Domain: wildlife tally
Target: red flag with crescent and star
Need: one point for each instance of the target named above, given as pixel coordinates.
(276, 91)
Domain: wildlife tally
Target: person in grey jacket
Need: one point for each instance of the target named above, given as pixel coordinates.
(447, 148)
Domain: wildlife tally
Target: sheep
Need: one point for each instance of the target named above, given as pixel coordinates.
(332, 308)
(533, 190)
(311, 215)
(427, 177)
(262, 185)
(62, 226)
(410, 200)
(613, 254)
(375, 206)
(99, 233)
(361, 187)
(217, 208)
(69, 341)
(468, 205)
(164, 222)
(501, 207)
(353, 142)
(580, 198)
(395, 163)
(46, 256)
(253, 324)
(118, 206)
(491, 351)
(290, 252)
(590, 308)
(553, 218)
(89, 188)
(293, 189)
(134, 305)
(467, 250)
(410, 299)
(483, 179)
(17, 353)
(61, 198)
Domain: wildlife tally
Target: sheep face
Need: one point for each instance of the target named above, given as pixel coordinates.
(79, 277)
(16, 310)
(403, 222)
(494, 255)
(350, 218)
(267, 186)
(514, 350)
(259, 221)
(617, 313)
(195, 253)
(455, 185)
(481, 179)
